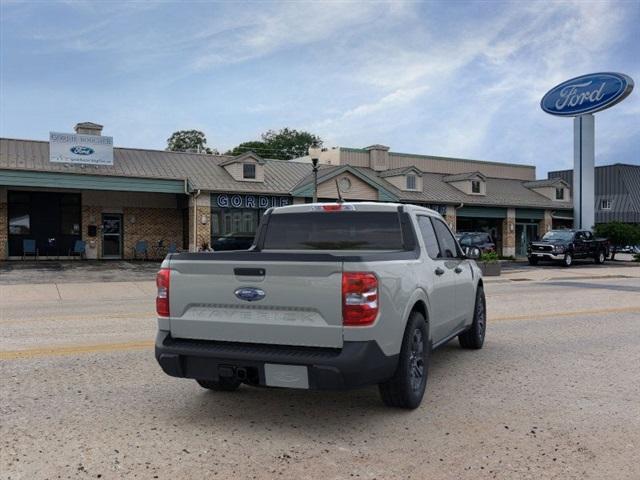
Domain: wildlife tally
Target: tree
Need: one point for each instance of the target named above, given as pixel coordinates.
(619, 234)
(188, 141)
(284, 144)
(257, 147)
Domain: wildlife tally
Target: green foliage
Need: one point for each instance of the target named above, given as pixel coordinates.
(284, 144)
(188, 141)
(259, 148)
(488, 257)
(619, 234)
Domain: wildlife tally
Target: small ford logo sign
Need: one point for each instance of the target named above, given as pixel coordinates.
(587, 94)
(249, 294)
(79, 150)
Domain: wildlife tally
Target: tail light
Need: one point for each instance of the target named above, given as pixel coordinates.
(359, 298)
(162, 298)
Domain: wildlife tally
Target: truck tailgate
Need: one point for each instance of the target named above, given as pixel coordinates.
(301, 303)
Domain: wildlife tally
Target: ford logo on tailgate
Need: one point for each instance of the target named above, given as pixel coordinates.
(249, 294)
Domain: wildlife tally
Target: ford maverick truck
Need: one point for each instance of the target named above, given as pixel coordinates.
(564, 246)
(330, 296)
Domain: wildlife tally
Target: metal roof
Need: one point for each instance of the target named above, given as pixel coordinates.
(463, 176)
(282, 177)
(203, 171)
(620, 184)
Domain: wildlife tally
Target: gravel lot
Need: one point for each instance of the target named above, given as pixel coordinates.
(554, 394)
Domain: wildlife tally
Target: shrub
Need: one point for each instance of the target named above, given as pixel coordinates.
(488, 257)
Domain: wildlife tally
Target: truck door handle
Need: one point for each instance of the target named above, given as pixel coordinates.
(439, 271)
(457, 270)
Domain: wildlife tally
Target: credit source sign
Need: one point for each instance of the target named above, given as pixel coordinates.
(80, 149)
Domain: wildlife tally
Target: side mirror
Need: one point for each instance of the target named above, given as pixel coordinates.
(472, 252)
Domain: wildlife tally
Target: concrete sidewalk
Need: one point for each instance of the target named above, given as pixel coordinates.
(17, 294)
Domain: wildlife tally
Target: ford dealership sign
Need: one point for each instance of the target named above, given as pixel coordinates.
(80, 149)
(587, 94)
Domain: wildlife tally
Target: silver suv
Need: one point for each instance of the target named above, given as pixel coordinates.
(330, 296)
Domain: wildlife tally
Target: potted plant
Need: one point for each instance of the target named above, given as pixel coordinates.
(489, 264)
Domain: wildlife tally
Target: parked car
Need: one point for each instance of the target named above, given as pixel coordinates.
(233, 241)
(332, 296)
(566, 245)
(482, 240)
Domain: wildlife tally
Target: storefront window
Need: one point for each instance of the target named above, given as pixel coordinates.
(19, 218)
(235, 218)
(234, 228)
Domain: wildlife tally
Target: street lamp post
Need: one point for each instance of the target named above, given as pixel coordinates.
(314, 153)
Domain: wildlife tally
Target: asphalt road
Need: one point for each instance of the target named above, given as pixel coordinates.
(555, 393)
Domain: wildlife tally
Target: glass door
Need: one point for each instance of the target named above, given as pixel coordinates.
(111, 235)
(525, 233)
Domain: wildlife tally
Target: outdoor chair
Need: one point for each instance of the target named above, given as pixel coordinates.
(79, 248)
(142, 249)
(29, 248)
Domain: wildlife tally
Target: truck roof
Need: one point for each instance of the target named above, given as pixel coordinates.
(357, 206)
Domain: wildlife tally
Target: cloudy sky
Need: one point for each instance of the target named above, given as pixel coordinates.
(451, 78)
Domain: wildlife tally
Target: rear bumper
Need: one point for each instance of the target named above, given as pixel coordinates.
(356, 364)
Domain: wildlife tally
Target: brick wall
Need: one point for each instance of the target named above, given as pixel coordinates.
(509, 233)
(92, 216)
(152, 225)
(203, 230)
(545, 224)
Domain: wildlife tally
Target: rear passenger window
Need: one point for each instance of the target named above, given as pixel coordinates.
(445, 239)
(429, 237)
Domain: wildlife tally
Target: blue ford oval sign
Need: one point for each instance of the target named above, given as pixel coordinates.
(249, 294)
(79, 150)
(587, 94)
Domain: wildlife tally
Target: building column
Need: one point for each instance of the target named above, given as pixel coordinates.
(450, 217)
(202, 222)
(545, 224)
(509, 234)
(4, 227)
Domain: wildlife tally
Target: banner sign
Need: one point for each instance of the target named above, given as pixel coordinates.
(239, 200)
(80, 149)
(587, 94)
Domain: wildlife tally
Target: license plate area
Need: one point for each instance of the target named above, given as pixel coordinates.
(287, 376)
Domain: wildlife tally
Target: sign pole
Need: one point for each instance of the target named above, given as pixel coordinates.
(583, 172)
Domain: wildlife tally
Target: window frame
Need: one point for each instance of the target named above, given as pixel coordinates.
(560, 193)
(411, 176)
(607, 202)
(473, 184)
(433, 220)
(244, 171)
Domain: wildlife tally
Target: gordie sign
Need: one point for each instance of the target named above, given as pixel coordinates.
(587, 94)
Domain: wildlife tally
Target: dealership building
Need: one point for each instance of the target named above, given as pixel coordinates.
(112, 199)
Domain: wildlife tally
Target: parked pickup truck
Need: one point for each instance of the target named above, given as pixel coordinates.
(566, 245)
(330, 296)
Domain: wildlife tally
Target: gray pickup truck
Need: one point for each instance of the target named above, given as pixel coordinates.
(330, 296)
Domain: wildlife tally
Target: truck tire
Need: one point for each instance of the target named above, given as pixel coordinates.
(533, 260)
(567, 261)
(406, 388)
(600, 257)
(473, 338)
(223, 385)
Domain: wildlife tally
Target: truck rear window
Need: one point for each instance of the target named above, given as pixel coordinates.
(334, 231)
